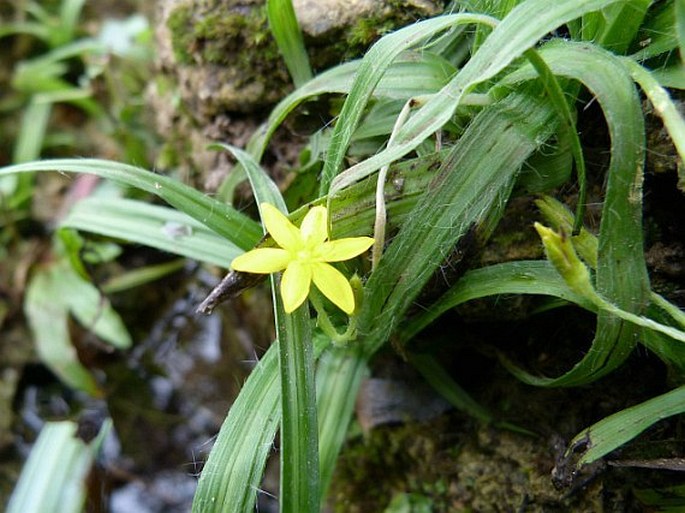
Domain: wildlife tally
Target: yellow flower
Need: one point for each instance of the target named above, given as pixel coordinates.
(304, 254)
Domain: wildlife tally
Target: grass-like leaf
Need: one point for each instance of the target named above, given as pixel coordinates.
(54, 478)
(299, 430)
(338, 376)
(680, 28)
(219, 217)
(621, 273)
(32, 132)
(523, 277)
(664, 107)
(437, 377)
(429, 73)
(523, 27)
(159, 227)
(487, 157)
(232, 474)
(606, 435)
(286, 32)
(373, 66)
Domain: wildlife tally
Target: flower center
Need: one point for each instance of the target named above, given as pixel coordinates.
(303, 255)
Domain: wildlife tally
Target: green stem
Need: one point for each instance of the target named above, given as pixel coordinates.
(299, 430)
(381, 217)
(645, 322)
(324, 322)
(676, 313)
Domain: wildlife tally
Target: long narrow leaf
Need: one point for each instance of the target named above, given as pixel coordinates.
(522, 277)
(286, 32)
(473, 183)
(299, 430)
(263, 187)
(232, 474)
(606, 435)
(523, 27)
(375, 63)
(338, 377)
(54, 479)
(34, 123)
(680, 28)
(429, 73)
(221, 218)
(162, 228)
(664, 107)
(621, 273)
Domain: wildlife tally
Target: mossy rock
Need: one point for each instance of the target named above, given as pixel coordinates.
(219, 64)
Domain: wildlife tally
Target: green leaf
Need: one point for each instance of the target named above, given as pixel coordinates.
(263, 187)
(621, 273)
(55, 476)
(141, 276)
(437, 377)
(621, 23)
(48, 319)
(557, 98)
(158, 227)
(299, 429)
(680, 28)
(232, 474)
(92, 310)
(34, 122)
(606, 435)
(670, 499)
(523, 27)
(523, 277)
(339, 374)
(487, 156)
(219, 217)
(658, 34)
(665, 108)
(373, 66)
(286, 32)
(429, 73)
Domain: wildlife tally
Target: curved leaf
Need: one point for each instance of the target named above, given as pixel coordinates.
(222, 218)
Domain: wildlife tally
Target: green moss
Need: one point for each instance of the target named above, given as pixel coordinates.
(369, 30)
(180, 25)
(217, 35)
(235, 39)
(398, 460)
(357, 39)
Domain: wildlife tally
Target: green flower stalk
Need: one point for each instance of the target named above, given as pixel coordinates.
(561, 253)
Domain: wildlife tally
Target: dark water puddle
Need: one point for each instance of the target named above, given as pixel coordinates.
(167, 396)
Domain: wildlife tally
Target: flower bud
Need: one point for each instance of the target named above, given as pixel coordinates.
(561, 253)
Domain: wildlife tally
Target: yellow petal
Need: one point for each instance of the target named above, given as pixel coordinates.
(344, 249)
(314, 227)
(295, 284)
(281, 229)
(261, 261)
(333, 284)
